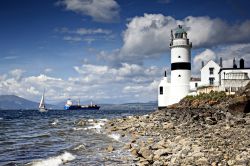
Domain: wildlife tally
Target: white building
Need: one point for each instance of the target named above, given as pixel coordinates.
(209, 74)
(194, 84)
(215, 77)
(232, 79)
(163, 91)
(172, 92)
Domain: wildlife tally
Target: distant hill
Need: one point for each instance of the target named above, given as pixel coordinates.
(14, 102)
(130, 106)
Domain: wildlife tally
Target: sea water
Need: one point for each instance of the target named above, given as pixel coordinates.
(28, 137)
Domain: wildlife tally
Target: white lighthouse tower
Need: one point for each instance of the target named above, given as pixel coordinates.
(179, 86)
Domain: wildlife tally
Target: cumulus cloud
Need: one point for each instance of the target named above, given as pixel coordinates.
(204, 56)
(132, 73)
(238, 51)
(48, 70)
(17, 73)
(84, 31)
(72, 38)
(85, 35)
(148, 36)
(97, 82)
(227, 53)
(99, 10)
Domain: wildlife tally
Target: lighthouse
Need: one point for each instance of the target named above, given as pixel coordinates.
(179, 85)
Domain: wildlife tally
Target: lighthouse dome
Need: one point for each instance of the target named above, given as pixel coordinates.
(180, 32)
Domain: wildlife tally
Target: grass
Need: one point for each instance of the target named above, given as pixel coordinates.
(218, 96)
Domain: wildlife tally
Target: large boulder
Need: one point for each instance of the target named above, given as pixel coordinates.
(241, 101)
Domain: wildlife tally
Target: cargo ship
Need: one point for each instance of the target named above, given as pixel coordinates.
(70, 106)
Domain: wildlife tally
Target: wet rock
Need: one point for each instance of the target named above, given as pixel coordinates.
(239, 104)
(197, 154)
(143, 163)
(231, 162)
(209, 135)
(110, 148)
(210, 121)
(202, 161)
(123, 127)
(146, 153)
(158, 163)
(81, 123)
(168, 125)
(127, 146)
(161, 152)
(239, 121)
(160, 145)
(134, 152)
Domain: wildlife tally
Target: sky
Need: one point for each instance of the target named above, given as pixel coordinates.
(111, 51)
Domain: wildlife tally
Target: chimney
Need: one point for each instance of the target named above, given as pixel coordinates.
(221, 62)
(241, 63)
(202, 64)
(234, 64)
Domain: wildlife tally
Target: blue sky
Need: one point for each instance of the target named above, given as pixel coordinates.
(110, 50)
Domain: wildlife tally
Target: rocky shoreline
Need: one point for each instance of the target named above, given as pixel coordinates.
(180, 135)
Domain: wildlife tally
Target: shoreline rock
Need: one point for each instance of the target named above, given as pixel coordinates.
(192, 138)
(211, 135)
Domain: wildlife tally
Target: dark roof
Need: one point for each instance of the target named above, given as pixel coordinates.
(234, 69)
(195, 79)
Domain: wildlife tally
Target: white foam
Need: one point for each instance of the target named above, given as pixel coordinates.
(82, 146)
(115, 136)
(55, 122)
(78, 129)
(96, 125)
(55, 161)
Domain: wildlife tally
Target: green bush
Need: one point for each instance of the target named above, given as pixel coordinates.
(219, 96)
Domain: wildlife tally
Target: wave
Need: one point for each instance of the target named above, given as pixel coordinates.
(54, 123)
(115, 136)
(96, 124)
(78, 129)
(55, 161)
(81, 146)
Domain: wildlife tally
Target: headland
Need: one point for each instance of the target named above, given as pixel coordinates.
(209, 129)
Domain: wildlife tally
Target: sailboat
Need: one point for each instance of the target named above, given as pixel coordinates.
(42, 107)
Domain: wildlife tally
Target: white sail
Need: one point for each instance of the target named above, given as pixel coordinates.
(42, 105)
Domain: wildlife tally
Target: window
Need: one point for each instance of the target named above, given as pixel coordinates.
(211, 81)
(196, 84)
(233, 89)
(161, 90)
(179, 75)
(179, 56)
(211, 70)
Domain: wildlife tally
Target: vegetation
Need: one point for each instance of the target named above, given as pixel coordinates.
(218, 96)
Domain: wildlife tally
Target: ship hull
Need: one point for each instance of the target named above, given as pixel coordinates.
(43, 110)
(76, 107)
